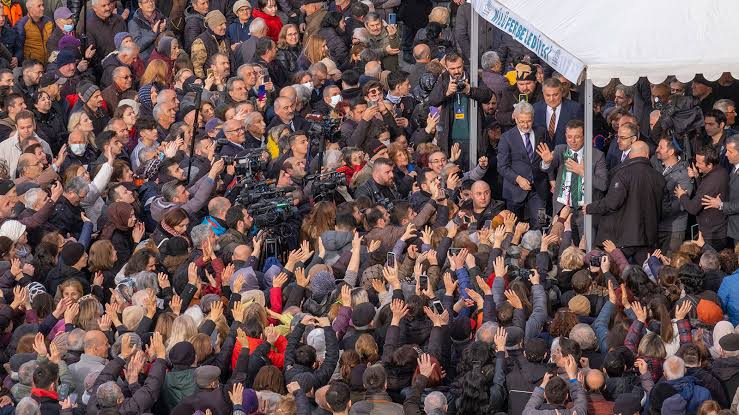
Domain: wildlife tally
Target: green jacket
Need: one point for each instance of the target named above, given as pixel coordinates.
(178, 384)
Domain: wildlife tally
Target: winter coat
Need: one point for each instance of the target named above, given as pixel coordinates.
(322, 375)
(51, 127)
(205, 46)
(726, 369)
(61, 273)
(200, 192)
(674, 217)
(178, 385)
(31, 40)
(145, 396)
(336, 243)
(276, 353)
(313, 24)
(630, 211)
(143, 32)
(238, 32)
(194, 26)
(274, 24)
(728, 293)
(101, 33)
(711, 222)
(379, 43)
(214, 399)
(288, 58)
(691, 391)
(376, 403)
(66, 218)
(415, 13)
(337, 47)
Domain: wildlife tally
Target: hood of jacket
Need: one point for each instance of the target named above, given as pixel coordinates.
(685, 386)
(618, 385)
(190, 12)
(726, 368)
(336, 240)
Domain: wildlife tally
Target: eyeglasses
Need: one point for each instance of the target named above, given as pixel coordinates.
(442, 160)
(238, 130)
(625, 138)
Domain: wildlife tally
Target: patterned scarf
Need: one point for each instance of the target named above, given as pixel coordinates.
(571, 187)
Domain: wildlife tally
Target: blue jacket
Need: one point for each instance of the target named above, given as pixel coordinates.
(693, 393)
(727, 292)
(238, 32)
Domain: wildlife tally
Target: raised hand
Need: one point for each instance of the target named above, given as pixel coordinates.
(640, 311)
(301, 278)
(501, 336)
(425, 365)
(609, 246)
(399, 310)
(450, 285)
(176, 304)
(236, 394)
(543, 151)
(513, 298)
(683, 309)
(499, 267)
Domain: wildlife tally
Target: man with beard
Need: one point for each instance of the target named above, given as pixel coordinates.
(526, 89)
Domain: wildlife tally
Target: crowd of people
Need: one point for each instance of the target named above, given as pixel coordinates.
(272, 207)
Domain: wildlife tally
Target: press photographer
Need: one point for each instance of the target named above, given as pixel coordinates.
(453, 93)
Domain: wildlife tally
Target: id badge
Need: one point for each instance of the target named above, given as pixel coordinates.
(458, 113)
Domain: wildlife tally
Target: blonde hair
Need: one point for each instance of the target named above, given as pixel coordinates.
(572, 258)
(366, 348)
(313, 49)
(156, 71)
(256, 311)
(183, 329)
(75, 119)
(439, 15)
(651, 345)
(164, 324)
(87, 319)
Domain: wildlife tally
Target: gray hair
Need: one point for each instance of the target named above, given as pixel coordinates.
(252, 117)
(28, 406)
(162, 95)
(522, 107)
(361, 34)
(147, 153)
(118, 71)
(144, 280)
(199, 233)
(723, 105)
(673, 368)
(372, 17)
(157, 111)
(317, 67)
(257, 26)
(76, 340)
(486, 332)
(108, 395)
(32, 196)
(131, 337)
(434, 400)
(709, 261)
(489, 59)
(629, 91)
(169, 190)
(583, 335)
(734, 139)
(25, 372)
(76, 185)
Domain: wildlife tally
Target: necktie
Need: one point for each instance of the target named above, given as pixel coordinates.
(552, 123)
(529, 149)
(574, 157)
(623, 156)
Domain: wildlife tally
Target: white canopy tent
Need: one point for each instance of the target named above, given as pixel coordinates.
(626, 40)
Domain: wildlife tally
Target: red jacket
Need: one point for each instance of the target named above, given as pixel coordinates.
(274, 23)
(276, 353)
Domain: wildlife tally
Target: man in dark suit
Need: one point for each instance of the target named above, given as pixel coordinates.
(729, 204)
(566, 169)
(525, 186)
(630, 211)
(626, 136)
(553, 113)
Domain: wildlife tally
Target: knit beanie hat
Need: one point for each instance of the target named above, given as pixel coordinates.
(322, 284)
(34, 289)
(118, 38)
(68, 41)
(214, 18)
(12, 229)
(86, 90)
(72, 252)
(182, 354)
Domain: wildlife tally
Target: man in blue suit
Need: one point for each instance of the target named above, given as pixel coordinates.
(553, 113)
(525, 185)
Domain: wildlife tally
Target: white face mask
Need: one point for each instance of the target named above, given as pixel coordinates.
(78, 149)
(308, 85)
(335, 100)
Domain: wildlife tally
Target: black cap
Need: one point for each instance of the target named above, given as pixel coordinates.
(730, 342)
(50, 78)
(6, 186)
(627, 404)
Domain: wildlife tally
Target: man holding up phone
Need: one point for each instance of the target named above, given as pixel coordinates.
(383, 40)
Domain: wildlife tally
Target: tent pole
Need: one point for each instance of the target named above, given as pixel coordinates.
(474, 64)
(589, 237)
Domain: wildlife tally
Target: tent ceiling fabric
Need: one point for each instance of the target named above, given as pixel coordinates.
(623, 40)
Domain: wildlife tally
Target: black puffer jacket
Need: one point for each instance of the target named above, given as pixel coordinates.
(288, 58)
(194, 26)
(51, 127)
(337, 48)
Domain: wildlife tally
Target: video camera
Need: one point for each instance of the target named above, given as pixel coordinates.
(249, 164)
(326, 184)
(322, 128)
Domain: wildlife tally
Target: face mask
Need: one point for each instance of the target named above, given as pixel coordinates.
(78, 149)
(335, 100)
(68, 28)
(308, 85)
